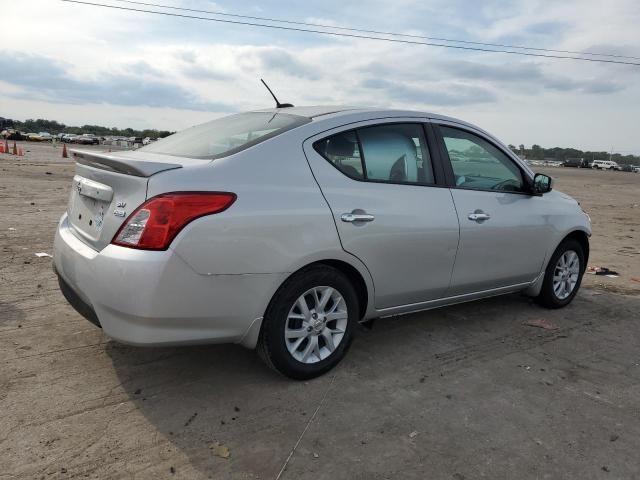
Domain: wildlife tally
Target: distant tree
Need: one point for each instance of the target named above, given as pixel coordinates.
(54, 127)
(41, 125)
(6, 123)
(537, 152)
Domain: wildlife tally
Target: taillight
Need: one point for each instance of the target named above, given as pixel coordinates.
(155, 223)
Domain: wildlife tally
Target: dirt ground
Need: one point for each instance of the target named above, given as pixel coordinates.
(465, 392)
(612, 200)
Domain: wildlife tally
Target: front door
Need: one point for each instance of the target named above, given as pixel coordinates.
(503, 229)
(379, 183)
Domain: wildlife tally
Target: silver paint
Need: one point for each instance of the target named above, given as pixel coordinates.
(414, 246)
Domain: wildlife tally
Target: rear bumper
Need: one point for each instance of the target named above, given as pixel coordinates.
(82, 307)
(154, 298)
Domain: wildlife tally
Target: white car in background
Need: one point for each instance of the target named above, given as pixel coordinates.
(605, 165)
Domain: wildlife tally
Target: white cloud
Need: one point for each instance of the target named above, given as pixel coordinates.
(186, 65)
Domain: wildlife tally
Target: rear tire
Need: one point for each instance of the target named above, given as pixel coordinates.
(563, 275)
(301, 337)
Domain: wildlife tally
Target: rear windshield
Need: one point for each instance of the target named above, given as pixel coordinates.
(226, 135)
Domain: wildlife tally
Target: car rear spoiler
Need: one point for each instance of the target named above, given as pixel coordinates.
(121, 164)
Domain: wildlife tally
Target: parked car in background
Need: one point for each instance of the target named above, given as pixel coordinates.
(146, 140)
(117, 141)
(576, 162)
(605, 165)
(69, 137)
(87, 139)
(282, 228)
(636, 169)
(12, 134)
(571, 162)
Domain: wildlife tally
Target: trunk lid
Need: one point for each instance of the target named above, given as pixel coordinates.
(107, 187)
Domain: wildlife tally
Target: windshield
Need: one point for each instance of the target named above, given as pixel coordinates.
(226, 135)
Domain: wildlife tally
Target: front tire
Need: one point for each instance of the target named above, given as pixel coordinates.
(563, 275)
(308, 326)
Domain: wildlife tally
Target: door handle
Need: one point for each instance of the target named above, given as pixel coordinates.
(479, 216)
(355, 216)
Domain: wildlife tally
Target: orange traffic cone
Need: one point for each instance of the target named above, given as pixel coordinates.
(6, 146)
(21, 152)
(15, 148)
(1, 147)
(64, 151)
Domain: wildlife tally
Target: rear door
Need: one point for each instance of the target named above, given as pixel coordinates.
(390, 211)
(503, 228)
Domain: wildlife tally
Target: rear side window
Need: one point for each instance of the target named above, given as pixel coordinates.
(225, 136)
(343, 152)
(393, 153)
(396, 153)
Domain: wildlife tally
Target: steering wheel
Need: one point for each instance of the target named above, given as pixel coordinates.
(509, 185)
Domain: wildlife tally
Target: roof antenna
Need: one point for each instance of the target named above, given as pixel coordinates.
(278, 104)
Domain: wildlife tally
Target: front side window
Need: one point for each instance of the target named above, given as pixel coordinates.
(394, 153)
(478, 165)
(225, 136)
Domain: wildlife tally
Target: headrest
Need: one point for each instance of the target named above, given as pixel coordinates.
(340, 147)
(383, 149)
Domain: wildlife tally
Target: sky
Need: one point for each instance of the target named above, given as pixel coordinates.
(87, 65)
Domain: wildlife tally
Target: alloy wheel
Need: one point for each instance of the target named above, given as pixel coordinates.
(566, 273)
(316, 324)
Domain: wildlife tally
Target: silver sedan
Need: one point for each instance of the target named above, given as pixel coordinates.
(281, 229)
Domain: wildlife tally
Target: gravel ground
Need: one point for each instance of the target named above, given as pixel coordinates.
(465, 392)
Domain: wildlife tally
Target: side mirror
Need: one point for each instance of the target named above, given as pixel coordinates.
(542, 183)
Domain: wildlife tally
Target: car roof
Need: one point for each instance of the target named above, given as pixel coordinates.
(319, 112)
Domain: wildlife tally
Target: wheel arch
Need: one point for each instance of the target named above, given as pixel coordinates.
(352, 273)
(583, 239)
(356, 279)
(579, 235)
(364, 292)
